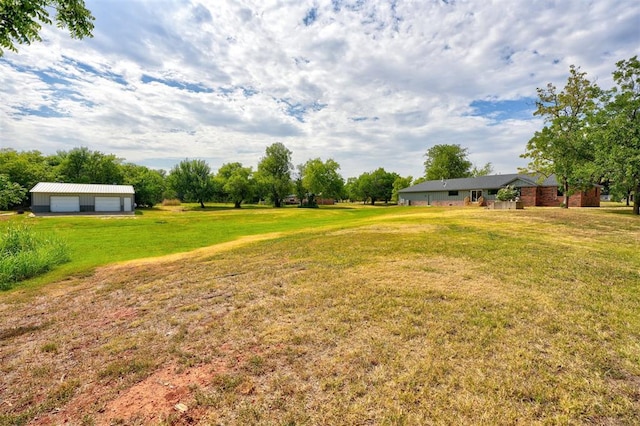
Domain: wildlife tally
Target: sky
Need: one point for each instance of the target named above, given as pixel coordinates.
(367, 83)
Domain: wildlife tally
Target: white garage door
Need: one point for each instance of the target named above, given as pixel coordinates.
(107, 204)
(65, 204)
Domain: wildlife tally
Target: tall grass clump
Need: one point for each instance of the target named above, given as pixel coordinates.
(25, 254)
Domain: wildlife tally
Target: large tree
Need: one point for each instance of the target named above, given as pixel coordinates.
(376, 185)
(149, 184)
(564, 146)
(274, 173)
(11, 193)
(192, 181)
(81, 165)
(25, 168)
(618, 147)
(322, 178)
(236, 182)
(447, 162)
(21, 20)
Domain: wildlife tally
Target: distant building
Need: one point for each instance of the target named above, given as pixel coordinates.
(483, 189)
(78, 198)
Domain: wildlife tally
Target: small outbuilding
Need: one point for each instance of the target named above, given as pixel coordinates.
(80, 198)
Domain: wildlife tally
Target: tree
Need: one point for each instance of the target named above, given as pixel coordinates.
(323, 178)
(11, 193)
(191, 179)
(446, 162)
(274, 173)
(236, 182)
(81, 165)
(618, 147)
(21, 20)
(25, 168)
(376, 185)
(486, 170)
(563, 147)
(398, 184)
(148, 184)
(351, 189)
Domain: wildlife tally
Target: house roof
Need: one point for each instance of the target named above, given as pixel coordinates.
(81, 188)
(481, 182)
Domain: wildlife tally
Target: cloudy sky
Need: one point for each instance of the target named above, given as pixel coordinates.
(368, 83)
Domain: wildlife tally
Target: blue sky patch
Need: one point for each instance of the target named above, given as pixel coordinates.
(521, 109)
(190, 87)
(311, 16)
(43, 111)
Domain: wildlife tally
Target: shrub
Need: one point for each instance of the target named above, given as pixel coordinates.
(24, 254)
(508, 193)
(171, 202)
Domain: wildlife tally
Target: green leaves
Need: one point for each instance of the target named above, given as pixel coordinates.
(21, 20)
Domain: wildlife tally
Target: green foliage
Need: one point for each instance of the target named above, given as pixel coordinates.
(148, 184)
(274, 173)
(322, 178)
(81, 165)
(192, 181)
(377, 185)
(508, 193)
(27, 167)
(236, 183)
(486, 170)
(11, 193)
(563, 147)
(618, 141)
(24, 254)
(22, 20)
(447, 162)
(398, 184)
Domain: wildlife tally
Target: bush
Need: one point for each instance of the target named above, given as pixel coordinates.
(24, 254)
(508, 193)
(171, 202)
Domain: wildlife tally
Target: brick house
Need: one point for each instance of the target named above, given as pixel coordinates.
(483, 189)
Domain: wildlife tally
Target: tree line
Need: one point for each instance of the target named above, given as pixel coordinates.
(275, 179)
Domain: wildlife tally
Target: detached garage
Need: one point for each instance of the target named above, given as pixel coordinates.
(53, 197)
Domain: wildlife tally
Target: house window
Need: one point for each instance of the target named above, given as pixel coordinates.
(453, 193)
(475, 195)
(493, 192)
(560, 192)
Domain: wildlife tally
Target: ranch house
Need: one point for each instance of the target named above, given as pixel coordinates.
(483, 189)
(79, 198)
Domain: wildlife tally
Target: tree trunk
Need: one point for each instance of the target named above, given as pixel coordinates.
(636, 200)
(566, 194)
(201, 204)
(236, 204)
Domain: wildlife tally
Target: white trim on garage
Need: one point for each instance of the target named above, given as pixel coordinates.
(107, 204)
(64, 204)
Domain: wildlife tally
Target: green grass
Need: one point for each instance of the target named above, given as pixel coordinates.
(25, 253)
(95, 241)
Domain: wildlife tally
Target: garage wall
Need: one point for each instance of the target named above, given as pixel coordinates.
(40, 202)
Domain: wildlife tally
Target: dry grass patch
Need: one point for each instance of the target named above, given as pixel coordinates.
(429, 320)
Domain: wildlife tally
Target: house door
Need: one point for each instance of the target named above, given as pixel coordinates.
(475, 195)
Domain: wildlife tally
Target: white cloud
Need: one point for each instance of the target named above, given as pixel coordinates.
(368, 83)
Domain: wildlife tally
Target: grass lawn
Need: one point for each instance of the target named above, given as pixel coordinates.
(390, 316)
(100, 240)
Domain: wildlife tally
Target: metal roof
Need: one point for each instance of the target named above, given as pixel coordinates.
(480, 182)
(81, 188)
